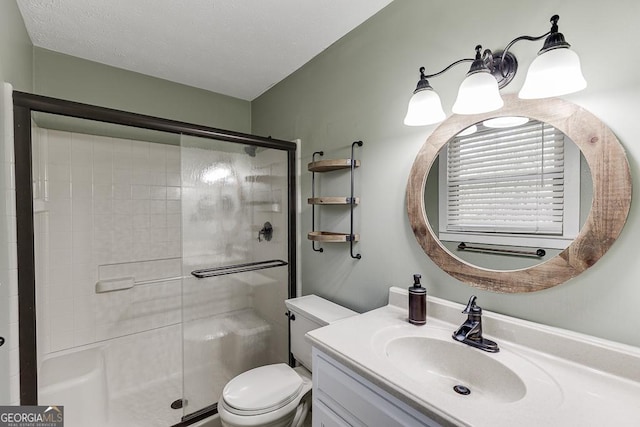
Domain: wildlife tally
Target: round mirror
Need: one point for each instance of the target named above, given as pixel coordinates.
(499, 265)
(508, 193)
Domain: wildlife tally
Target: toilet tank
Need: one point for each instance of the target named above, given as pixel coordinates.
(311, 312)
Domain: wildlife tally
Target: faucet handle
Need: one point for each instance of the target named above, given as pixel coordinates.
(472, 308)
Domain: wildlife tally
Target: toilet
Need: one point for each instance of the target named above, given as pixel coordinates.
(278, 395)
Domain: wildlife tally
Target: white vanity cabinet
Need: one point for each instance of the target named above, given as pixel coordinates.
(341, 397)
(372, 370)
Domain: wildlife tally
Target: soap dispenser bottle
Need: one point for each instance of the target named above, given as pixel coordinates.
(417, 302)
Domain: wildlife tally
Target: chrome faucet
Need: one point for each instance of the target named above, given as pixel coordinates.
(470, 332)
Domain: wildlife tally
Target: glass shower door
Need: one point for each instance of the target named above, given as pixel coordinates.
(235, 264)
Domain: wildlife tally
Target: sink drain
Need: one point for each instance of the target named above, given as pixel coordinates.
(460, 389)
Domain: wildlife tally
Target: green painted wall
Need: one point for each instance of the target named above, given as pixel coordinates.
(359, 88)
(15, 48)
(76, 79)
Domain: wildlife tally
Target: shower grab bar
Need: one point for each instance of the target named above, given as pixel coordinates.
(237, 268)
(538, 253)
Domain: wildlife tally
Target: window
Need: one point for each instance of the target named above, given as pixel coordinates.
(512, 186)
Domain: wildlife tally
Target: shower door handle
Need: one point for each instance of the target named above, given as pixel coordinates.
(1, 341)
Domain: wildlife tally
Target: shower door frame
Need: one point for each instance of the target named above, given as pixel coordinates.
(24, 104)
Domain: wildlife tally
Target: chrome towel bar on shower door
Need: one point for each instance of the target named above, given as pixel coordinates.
(237, 268)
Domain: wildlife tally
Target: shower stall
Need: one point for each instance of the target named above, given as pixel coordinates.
(154, 260)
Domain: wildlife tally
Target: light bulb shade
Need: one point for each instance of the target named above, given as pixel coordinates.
(553, 73)
(505, 122)
(468, 131)
(424, 109)
(477, 94)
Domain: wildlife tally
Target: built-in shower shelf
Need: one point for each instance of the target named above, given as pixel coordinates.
(264, 179)
(331, 237)
(266, 206)
(333, 200)
(39, 205)
(332, 165)
(259, 202)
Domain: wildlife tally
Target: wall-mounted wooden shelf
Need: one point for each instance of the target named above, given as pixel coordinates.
(318, 166)
(328, 236)
(332, 165)
(333, 200)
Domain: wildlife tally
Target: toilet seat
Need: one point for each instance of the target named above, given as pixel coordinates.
(262, 390)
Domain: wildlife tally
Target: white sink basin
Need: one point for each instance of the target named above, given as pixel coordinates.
(427, 355)
(455, 367)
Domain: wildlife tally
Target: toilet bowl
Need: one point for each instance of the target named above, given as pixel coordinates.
(272, 395)
(278, 395)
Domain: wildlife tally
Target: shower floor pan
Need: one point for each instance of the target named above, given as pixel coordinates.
(77, 381)
(97, 385)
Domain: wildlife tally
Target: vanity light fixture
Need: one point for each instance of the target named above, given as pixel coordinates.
(555, 71)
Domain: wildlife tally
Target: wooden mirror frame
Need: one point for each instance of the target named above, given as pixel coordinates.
(609, 209)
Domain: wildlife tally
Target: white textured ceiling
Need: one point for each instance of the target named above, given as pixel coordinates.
(234, 47)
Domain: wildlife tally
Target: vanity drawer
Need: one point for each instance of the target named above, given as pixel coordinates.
(356, 400)
(325, 417)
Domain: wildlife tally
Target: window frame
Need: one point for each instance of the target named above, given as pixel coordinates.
(571, 210)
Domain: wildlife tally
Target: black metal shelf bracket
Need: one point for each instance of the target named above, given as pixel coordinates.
(313, 207)
(352, 205)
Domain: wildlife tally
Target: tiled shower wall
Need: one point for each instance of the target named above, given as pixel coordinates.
(106, 208)
(110, 209)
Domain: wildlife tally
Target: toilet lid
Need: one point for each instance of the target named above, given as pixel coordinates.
(262, 389)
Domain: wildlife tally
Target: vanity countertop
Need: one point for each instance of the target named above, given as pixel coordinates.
(552, 377)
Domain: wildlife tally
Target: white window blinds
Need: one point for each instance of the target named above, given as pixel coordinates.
(506, 181)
